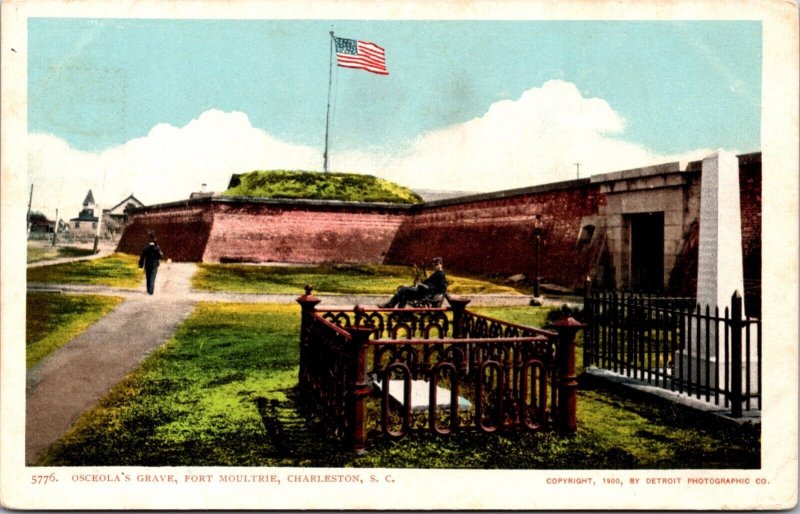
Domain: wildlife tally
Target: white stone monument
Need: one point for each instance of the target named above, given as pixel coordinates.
(719, 263)
(719, 271)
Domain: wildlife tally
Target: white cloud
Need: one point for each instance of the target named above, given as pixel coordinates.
(166, 165)
(535, 139)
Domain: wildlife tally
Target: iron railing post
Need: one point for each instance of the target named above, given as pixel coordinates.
(358, 389)
(588, 307)
(736, 355)
(308, 303)
(567, 385)
(458, 305)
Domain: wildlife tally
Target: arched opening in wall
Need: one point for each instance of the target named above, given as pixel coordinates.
(645, 233)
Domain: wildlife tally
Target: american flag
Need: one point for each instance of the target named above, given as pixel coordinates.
(362, 55)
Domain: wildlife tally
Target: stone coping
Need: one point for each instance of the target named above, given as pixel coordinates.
(292, 202)
(647, 171)
(666, 168)
(508, 193)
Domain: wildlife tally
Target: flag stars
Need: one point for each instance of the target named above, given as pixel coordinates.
(346, 46)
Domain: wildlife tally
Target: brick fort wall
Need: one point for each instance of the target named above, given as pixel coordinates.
(495, 236)
(301, 232)
(182, 230)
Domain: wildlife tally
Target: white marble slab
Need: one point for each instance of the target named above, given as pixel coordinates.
(420, 395)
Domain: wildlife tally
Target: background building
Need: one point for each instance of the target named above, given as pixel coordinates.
(84, 226)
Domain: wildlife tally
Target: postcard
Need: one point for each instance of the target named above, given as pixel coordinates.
(409, 255)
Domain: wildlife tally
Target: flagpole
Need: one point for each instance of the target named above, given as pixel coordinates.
(328, 113)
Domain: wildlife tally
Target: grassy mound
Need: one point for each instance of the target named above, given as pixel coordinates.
(309, 185)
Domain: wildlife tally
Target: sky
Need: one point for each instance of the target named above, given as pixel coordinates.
(158, 107)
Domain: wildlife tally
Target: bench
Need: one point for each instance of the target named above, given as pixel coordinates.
(429, 300)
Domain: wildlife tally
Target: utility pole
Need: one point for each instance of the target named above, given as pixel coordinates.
(55, 229)
(578, 165)
(99, 214)
(28, 219)
(97, 233)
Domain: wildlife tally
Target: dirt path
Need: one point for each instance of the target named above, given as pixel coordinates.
(78, 374)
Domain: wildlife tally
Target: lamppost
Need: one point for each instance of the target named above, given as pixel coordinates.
(537, 239)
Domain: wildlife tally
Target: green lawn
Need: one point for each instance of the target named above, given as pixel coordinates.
(528, 316)
(327, 279)
(221, 392)
(54, 319)
(116, 270)
(38, 253)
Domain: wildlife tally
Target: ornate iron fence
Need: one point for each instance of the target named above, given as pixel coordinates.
(394, 372)
(675, 344)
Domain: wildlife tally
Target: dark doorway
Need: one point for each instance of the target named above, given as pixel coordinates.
(647, 252)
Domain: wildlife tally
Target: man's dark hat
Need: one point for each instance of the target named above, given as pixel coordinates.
(437, 260)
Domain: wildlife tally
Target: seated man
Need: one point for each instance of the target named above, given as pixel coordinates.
(433, 285)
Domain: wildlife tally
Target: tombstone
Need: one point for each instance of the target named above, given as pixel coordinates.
(420, 395)
(719, 270)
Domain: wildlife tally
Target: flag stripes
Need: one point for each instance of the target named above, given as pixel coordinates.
(361, 55)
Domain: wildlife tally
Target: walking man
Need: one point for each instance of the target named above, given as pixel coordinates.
(151, 255)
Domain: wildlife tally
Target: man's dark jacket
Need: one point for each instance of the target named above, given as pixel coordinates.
(437, 283)
(150, 256)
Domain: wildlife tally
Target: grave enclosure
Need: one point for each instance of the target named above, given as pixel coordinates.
(395, 372)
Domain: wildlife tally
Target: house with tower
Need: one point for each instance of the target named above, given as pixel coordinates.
(113, 219)
(85, 224)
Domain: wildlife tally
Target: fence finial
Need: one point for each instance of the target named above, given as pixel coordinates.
(308, 300)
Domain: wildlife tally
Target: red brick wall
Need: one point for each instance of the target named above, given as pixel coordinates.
(495, 236)
(253, 232)
(182, 231)
(750, 190)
